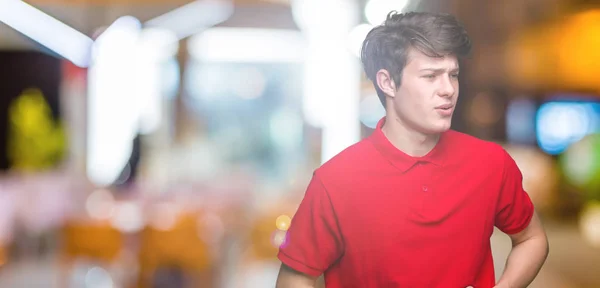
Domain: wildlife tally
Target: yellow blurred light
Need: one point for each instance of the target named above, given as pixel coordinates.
(578, 50)
(35, 140)
(283, 222)
(564, 54)
(527, 55)
(589, 223)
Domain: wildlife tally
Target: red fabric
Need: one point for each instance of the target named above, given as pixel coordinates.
(375, 217)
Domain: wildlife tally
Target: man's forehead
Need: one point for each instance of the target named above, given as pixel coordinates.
(420, 61)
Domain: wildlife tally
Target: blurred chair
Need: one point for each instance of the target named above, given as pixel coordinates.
(3, 255)
(262, 234)
(268, 230)
(265, 232)
(176, 256)
(95, 241)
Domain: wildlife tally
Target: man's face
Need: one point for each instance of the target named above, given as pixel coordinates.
(428, 92)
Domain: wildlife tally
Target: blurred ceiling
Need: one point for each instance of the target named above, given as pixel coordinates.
(491, 24)
(87, 16)
(83, 17)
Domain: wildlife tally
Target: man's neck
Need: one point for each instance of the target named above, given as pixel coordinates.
(408, 140)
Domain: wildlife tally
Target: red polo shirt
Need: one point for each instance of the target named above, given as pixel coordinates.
(374, 216)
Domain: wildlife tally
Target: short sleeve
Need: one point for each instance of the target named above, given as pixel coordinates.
(514, 208)
(313, 242)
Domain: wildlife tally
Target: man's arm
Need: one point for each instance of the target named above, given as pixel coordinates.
(290, 278)
(314, 240)
(528, 254)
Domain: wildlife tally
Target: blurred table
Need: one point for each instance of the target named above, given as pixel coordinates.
(572, 263)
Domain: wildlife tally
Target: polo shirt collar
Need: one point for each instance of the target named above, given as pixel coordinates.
(402, 160)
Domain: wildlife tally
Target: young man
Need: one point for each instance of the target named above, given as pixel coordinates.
(414, 204)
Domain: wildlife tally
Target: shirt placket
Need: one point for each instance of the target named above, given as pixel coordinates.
(421, 188)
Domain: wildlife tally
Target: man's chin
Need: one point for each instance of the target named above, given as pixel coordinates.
(441, 127)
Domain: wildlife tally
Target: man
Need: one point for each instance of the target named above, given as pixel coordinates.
(414, 204)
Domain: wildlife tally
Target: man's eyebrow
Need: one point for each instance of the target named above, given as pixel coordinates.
(440, 70)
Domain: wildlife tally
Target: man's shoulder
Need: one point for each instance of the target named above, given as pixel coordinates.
(348, 160)
(473, 146)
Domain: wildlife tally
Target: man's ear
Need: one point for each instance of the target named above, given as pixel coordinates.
(386, 83)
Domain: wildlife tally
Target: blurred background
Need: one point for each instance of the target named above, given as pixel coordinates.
(167, 143)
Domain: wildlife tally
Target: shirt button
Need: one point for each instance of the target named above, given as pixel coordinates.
(425, 188)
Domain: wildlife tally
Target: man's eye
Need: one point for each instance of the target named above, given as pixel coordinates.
(429, 76)
(454, 76)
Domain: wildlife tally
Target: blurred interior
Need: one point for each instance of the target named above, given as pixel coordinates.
(167, 143)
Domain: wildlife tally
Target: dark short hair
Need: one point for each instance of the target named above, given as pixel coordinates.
(387, 45)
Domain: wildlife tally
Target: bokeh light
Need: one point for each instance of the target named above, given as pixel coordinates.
(581, 165)
(560, 124)
(98, 277)
(520, 121)
(278, 239)
(371, 111)
(283, 222)
(164, 216)
(128, 217)
(540, 174)
(589, 223)
(100, 204)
